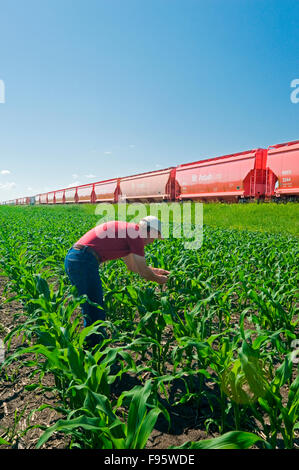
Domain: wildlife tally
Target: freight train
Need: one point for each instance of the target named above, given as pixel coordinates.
(259, 174)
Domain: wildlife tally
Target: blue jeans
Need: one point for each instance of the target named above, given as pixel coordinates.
(82, 269)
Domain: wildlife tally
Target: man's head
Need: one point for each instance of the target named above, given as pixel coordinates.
(150, 229)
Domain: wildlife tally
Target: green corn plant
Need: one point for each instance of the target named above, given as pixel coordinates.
(107, 430)
(265, 395)
(4, 442)
(229, 440)
(227, 319)
(150, 334)
(15, 432)
(228, 378)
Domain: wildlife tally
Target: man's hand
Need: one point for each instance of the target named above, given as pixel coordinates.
(162, 279)
(160, 272)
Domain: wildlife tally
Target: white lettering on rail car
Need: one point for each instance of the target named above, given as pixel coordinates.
(2, 92)
(209, 177)
(205, 177)
(295, 93)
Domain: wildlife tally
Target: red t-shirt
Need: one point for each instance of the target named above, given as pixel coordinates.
(114, 239)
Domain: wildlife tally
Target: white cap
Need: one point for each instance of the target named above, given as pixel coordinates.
(151, 222)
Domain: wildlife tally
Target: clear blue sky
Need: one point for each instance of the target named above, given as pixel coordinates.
(101, 88)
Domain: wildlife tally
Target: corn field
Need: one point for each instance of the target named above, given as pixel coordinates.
(219, 339)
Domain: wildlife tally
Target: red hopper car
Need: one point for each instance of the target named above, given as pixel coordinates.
(282, 171)
(106, 191)
(227, 178)
(154, 186)
(271, 173)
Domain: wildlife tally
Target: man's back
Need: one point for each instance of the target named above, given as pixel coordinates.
(114, 239)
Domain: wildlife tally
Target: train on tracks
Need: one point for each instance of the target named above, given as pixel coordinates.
(258, 174)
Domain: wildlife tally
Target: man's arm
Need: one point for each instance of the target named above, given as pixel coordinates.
(129, 261)
(137, 264)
